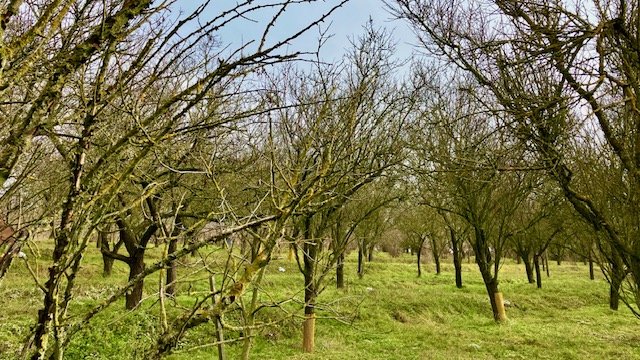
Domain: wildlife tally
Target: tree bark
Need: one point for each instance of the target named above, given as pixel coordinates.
(370, 253)
(536, 263)
(419, 256)
(591, 272)
(107, 265)
(457, 258)
(340, 271)
(528, 268)
(617, 276)
(172, 271)
(308, 335)
(545, 261)
(614, 294)
(310, 291)
(218, 320)
(483, 259)
(435, 253)
(107, 261)
(457, 264)
(136, 266)
(360, 259)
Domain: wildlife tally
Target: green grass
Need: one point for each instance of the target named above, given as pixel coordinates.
(389, 314)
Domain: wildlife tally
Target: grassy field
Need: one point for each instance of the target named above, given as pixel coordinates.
(389, 314)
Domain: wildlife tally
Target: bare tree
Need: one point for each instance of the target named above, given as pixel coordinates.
(105, 84)
(546, 63)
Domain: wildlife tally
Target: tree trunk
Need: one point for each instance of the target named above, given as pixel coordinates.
(616, 278)
(310, 291)
(419, 256)
(591, 273)
(340, 271)
(249, 315)
(370, 253)
(545, 260)
(107, 261)
(496, 300)
(107, 265)
(136, 266)
(457, 264)
(536, 263)
(172, 271)
(483, 259)
(528, 268)
(435, 253)
(218, 320)
(308, 333)
(360, 260)
(614, 294)
(457, 258)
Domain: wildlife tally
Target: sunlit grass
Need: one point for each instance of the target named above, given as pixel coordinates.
(388, 314)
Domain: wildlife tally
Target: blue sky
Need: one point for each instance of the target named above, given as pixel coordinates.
(344, 24)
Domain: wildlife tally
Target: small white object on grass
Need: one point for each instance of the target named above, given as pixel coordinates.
(22, 255)
(369, 289)
(475, 346)
(281, 269)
